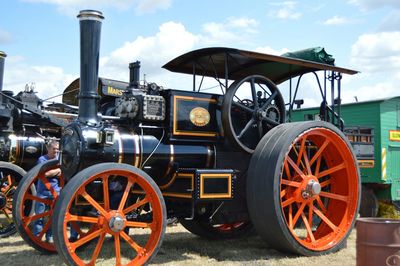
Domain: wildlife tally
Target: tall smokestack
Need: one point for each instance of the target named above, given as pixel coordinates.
(2, 59)
(90, 29)
(134, 74)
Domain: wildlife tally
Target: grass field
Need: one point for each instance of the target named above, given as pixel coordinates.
(183, 248)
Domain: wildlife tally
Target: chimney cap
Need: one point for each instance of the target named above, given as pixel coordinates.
(89, 14)
(3, 54)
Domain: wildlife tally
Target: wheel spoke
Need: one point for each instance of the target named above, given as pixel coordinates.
(76, 228)
(260, 129)
(117, 245)
(136, 205)
(332, 170)
(299, 212)
(321, 205)
(290, 183)
(295, 167)
(138, 224)
(9, 219)
(283, 193)
(318, 166)
(106, 195)
(243, 107)
(254, 94)
(308, 228)
(27, 220)
(310, 213)
(290, 214)
(86, 239)
(317, 155)
(325, 183)
(9, 186)
(93, 202)
(270, 121)
(84, 219)
(125, 196)
(132, 243)
(287, 170)
(307, 163)
(248, 125)
(48, 186)
(325, 219)
(96, 251)
(300, 154)
(44, 229)
(35, 198)
(288, 202)
(270, 99)
(334, 196)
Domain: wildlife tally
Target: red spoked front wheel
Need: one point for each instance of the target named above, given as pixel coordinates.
(119, 212)
(311, 188)
(32, 213)
(10, 175)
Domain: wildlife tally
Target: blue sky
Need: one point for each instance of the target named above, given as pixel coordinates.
(41, 38)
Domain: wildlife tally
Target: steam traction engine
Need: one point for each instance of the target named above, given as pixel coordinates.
(24, 126)
(220, 164)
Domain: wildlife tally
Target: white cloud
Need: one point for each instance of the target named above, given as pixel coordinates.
(337, 20)
(374, 91)
(5, 37)
(232, 30)
(71, 7)
(287, 10)
(270, 50)
(48, 80)
(377, 52)
(377, 56)
(171, 40)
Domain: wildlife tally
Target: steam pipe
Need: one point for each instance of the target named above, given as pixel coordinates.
(90, 31)
(2, 59)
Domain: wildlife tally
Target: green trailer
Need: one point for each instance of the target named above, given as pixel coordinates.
(373, 128)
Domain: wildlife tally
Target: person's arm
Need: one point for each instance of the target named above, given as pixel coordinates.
(52, 173)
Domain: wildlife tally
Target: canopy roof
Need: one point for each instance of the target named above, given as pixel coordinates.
(214, 61)
(71, 92)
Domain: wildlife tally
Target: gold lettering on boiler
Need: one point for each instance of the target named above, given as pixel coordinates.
(113, 91)
(199, 116)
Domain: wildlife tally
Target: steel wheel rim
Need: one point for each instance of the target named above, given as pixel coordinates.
(252, 110)
(28, 220)
(103, 228)
(331, 169)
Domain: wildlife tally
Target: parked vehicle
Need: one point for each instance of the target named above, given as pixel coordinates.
(25, 124)
(222, 164)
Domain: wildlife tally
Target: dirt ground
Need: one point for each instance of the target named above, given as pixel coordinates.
(183, 248)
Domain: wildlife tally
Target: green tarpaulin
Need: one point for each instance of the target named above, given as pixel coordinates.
(316, 54)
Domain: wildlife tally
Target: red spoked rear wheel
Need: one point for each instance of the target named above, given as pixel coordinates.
(311, 188)
(119, 212)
